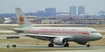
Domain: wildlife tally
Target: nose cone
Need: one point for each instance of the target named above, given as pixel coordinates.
(99, 36)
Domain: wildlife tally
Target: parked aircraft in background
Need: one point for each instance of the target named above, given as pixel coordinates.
(56, 35)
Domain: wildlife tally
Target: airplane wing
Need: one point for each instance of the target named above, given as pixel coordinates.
(46, 36)
(40, 36)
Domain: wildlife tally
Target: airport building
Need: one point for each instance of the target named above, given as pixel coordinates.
(101, 12)
(40, 13)
(72, 10)
(81, 10)
(50, 11)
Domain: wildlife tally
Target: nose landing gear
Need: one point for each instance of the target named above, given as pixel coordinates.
(87, 44)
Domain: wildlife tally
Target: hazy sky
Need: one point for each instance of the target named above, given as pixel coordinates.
(91, 6)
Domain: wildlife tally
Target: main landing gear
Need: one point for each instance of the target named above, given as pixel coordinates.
(52, 45)
(66, 45)
(87, 44)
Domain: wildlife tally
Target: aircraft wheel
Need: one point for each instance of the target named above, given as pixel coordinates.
(88, 45)
(14, 45)
(66, 45)
(50, 45)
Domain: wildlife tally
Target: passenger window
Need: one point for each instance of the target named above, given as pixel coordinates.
(94, 32)
(91, 31)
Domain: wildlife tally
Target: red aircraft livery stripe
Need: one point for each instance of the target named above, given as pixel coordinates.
(58, 31)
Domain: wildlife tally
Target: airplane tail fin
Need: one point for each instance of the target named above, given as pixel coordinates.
(22, 20)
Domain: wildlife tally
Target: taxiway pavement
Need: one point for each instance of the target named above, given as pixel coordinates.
(43, 48)
(28, 46)
(98, 50)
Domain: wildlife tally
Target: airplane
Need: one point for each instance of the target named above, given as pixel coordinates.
(56, 35)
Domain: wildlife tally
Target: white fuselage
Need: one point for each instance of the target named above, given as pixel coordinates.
(77, 33)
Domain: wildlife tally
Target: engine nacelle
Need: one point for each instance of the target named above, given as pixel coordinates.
(60, 41)
(81, 42)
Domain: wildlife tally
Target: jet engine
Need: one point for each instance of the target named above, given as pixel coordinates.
(60, 41)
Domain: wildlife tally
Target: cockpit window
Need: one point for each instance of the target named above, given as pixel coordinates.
(94, 32)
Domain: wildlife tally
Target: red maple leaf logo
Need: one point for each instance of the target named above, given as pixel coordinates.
(21, 20)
